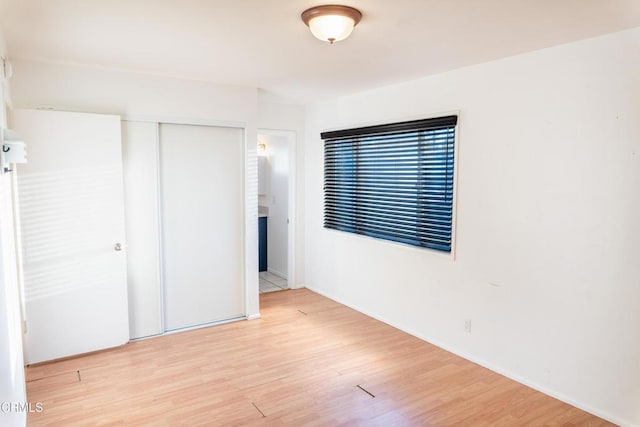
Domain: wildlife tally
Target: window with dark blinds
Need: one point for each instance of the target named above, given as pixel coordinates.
(392, 182)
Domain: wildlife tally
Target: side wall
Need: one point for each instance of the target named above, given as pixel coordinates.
(546, 260)
(12, 385)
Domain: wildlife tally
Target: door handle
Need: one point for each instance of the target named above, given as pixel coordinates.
(117, 247)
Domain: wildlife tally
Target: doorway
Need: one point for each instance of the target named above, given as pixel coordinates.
(275, 209)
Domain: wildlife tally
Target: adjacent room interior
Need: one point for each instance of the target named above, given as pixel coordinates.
(226, 213)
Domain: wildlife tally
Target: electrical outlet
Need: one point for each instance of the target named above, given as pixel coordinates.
(467, 325)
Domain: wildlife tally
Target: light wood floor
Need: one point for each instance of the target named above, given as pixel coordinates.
(308, 361)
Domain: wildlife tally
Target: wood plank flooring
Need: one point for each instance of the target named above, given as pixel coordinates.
(308, 361)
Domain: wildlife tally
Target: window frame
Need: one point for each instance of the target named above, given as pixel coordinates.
(400, 125)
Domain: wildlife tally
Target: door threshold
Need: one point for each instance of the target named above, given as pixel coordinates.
(190, 328)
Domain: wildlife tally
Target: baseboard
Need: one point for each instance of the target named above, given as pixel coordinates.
(254, 316)
(484, 364)
(300, 286)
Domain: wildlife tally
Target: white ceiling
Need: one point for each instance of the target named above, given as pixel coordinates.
(264, 43)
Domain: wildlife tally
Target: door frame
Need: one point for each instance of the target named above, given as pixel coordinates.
(290, 135)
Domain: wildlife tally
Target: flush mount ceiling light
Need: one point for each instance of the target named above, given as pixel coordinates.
(331, 23)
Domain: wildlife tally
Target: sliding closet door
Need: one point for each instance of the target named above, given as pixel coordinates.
(201, 170)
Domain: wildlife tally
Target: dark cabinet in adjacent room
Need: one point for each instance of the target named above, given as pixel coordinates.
(262, 243)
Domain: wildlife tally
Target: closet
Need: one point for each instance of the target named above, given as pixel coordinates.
(184, 214)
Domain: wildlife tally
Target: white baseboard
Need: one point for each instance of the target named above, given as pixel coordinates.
(549, 392)
(254, 316)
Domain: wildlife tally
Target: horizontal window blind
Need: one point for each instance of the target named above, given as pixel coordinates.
(393, 182)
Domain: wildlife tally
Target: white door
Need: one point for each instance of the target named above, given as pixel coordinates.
(201, 170)
(72, 233)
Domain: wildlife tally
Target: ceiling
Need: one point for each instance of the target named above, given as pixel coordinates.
(264, 43)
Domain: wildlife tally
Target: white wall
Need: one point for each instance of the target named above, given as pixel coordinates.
(99, 90)
(547, 249)
(4, 85)
(12, 385)
(277, 201)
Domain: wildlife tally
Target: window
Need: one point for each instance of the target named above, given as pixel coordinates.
(392, 182)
